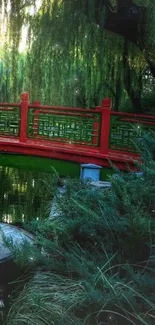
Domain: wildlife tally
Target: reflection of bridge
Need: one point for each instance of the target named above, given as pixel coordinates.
(72, 134)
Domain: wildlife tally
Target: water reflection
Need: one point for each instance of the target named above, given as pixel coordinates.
(23, 195)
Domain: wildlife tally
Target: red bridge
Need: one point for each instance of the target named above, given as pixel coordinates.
(74, 134)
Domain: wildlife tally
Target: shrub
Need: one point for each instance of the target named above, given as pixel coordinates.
(95, 263)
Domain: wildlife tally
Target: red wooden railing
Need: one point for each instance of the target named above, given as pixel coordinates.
(126, 129)
(97, 128)
(100, 118)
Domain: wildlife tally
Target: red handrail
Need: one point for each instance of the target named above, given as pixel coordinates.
(62, 108)
(132, 115)
(136, 121)
(38, 111)
(10, 105)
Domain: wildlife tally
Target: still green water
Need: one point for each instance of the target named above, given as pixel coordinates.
(26, 185)
(24, 194)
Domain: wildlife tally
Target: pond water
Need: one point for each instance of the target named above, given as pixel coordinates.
(24, 195)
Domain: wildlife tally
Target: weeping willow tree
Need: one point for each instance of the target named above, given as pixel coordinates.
(63, 52)
(76, 57)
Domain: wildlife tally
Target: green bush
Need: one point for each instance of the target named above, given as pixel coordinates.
(94, 264)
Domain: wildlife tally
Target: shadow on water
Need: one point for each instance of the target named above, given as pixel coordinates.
(23, 195)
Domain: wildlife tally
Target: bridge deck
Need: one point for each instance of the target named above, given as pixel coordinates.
(66, 151)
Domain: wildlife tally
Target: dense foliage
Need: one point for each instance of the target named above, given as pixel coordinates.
(60, 54)
(94, 264)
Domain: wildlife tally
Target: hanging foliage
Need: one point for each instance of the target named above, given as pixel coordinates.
(59, 51)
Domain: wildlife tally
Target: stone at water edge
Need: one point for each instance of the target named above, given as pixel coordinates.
(101, 185)
(18, 236)
(9, 271)
(55, 209)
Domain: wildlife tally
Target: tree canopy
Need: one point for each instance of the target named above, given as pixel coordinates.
(69, 52)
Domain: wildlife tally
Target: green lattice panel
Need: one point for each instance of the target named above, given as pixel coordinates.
(125, 136)
(65, 128)
(9, 122)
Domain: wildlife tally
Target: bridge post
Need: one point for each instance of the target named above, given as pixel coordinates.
(24, 117)
(105, 125)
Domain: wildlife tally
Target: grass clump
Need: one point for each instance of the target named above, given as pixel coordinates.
(95, 263)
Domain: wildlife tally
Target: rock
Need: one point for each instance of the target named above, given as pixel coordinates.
(55, 209)
(9, 271)
(18, 236)
(101, 185)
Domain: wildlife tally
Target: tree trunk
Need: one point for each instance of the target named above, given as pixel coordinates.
(134, 94)
(118, 94)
